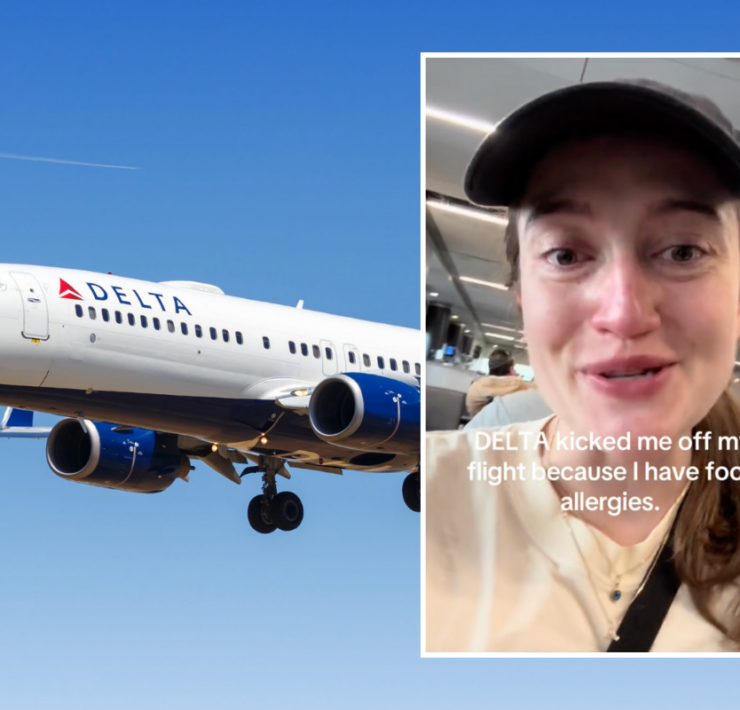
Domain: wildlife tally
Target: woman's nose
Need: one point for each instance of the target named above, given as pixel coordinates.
(626, 298)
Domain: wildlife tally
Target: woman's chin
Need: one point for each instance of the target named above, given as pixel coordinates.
(636, 425)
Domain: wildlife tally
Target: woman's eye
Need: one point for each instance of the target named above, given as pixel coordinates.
(682, 253)
(562, 257)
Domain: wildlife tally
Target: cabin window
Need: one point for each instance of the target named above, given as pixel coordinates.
(351, 357)
(119, 319)
(406, 367)
(214, 334)
(394, 365)
(329, 353)
(106, 315)
(225, 335)
(131, 319)
(304, 349)
(381, 363)
(366, 360)
(91, 313)
(291, 347)
(78, 310)
(239, 338)
(198, 331)
(155, 323)
(265, 342)
(316, 351)
(171, 326)
(184, 328)
(417, 368)
(143, 322)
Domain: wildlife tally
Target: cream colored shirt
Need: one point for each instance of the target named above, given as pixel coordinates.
(503, 573)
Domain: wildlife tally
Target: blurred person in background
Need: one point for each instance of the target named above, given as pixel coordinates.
(501, 380)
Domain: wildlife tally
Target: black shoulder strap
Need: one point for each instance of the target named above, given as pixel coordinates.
(647, 612)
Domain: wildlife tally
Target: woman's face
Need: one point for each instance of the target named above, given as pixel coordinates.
(630, 286)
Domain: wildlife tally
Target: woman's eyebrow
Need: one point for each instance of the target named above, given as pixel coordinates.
(552, 205)
(670, 206)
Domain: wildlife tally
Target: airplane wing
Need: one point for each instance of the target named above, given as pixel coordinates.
(18, 424)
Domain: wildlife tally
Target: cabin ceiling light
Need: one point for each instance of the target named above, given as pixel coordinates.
(459, 119)
(469, 212)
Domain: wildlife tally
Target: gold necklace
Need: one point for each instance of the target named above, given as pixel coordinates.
(611, 623)
(616, 593)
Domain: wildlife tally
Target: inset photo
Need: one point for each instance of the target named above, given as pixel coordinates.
(581, 487)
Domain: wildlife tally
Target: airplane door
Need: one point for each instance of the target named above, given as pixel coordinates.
(329, 364)
(35, 309)
(351, 359)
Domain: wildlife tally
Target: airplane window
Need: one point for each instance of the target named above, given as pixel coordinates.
(155, 323)
(329, 353)
(91, 312)
(351, 356)
(212, 331)
(170, 326)
(394, 365)
(106, 315)
(184, 328)
(417, 368)
(291, 347)
(304, 349)
(78, 310)
(366, 360)
(239, 338)
(131, 319)
(198, 331)
(144, 322)
(225, 334)
(406, 367)
(316, 351)
(118, 317)
(381, 363)
(266, 342)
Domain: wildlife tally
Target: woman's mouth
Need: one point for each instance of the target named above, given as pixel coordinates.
(629, 376)
(632, 378)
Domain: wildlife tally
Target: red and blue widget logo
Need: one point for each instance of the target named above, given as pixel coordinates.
(67, 291)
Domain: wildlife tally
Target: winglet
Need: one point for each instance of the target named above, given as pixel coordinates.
(18, 424)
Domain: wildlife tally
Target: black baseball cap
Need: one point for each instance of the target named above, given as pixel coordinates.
(500, 169)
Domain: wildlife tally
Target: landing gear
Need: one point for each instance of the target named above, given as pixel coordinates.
(260, 515)
(272, 510)
(287, 510)
(412, 491)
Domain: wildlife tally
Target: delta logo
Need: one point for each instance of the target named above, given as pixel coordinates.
(67, 291)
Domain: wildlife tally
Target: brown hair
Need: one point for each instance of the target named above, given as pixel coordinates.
(706, 542)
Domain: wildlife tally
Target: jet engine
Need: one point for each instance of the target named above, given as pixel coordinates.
(113, 456)
(367, 413)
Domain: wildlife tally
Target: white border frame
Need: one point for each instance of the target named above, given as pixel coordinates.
(515, 55)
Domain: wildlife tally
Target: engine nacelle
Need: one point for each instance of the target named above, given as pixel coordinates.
(367, 412)
(112, 456)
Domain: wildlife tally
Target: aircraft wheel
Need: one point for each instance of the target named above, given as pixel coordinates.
(261, 515)
(287, 510)
(412, 491)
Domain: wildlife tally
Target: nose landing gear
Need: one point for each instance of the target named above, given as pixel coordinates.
(271, 510)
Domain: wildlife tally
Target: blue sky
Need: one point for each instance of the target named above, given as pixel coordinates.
(279, 156)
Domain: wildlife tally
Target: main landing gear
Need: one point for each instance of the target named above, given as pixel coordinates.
(272, 510)
(412, 491)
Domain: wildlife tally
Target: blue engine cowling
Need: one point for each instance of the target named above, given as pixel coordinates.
(367, 412)
(112, 456)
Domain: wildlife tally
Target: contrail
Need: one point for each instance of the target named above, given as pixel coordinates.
(11, 156)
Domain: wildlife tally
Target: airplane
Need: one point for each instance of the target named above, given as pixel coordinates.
(149, 376)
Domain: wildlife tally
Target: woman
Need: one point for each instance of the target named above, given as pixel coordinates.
(624, 247)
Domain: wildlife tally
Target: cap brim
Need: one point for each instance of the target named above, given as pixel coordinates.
(498, 174)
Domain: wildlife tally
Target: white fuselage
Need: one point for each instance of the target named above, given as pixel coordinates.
(73, 339)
